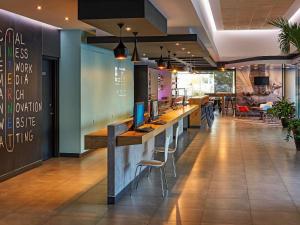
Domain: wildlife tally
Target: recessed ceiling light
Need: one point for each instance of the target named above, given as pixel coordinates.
(182, 49)
(66, 18)
(128, 29)
(39, 7)
(177, 44)
(144, 54)
(188, 52)
(193, 55)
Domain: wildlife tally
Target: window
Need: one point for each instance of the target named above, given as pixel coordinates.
(206, 82)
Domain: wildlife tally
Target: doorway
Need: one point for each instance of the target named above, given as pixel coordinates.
(49, 140)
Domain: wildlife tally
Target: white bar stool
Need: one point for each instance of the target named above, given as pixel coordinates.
(155, 164)
(171, 151)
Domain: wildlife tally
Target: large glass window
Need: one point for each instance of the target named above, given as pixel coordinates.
(206, 82)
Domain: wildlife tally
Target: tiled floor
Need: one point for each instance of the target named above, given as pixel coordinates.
(241, 172)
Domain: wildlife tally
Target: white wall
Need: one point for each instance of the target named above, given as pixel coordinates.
(290, 84)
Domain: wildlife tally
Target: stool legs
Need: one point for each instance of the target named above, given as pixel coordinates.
(166, 182)
(163, 178)
(135, 174)
(174, 166)
(138, 180)
(162, 182)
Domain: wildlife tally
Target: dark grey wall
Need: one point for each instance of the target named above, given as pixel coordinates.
(51, 42)
(22, 45)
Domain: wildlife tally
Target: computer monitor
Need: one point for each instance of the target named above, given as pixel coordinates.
(154, 109)
(139, 114)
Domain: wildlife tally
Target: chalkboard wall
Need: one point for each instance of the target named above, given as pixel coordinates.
(21, 49)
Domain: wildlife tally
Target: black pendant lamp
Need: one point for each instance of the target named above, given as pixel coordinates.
(135, 55)
(121, 51)
(169, 65)
(161, 64)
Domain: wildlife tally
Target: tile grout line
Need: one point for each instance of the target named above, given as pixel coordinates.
(210, 181)
(282, 180)
(244, 165)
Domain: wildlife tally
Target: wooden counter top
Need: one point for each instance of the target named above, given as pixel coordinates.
(200, 97)
(195, 118)
(99, 138)
(172, 117)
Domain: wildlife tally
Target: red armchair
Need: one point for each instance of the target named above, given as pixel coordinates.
(242, 109)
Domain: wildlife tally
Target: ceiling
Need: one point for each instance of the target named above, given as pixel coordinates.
(53, 12)
(178, 13)
(252, 14)
(188, 48)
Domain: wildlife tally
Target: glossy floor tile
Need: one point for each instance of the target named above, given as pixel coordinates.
(241, 172)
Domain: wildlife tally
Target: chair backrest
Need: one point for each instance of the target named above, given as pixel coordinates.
(243, 108)
(176, 137)
(167, 148)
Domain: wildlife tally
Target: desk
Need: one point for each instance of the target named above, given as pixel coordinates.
(125, 148)
(95, 140)
(99, 139)
(172, 117)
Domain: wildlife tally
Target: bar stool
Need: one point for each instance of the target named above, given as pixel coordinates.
(218, 102)
(171, 151)
(155, 164)
(229, 101)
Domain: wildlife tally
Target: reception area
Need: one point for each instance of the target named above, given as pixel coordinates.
(149, 112)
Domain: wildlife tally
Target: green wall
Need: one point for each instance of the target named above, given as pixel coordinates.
(107, 91)
(69, 92)
(95, 90)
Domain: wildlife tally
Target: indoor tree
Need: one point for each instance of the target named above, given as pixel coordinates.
(289, 34)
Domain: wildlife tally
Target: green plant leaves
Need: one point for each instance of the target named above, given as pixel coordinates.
(289, 35)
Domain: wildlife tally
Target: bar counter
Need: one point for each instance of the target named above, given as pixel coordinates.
(125, 148)
(99, 139)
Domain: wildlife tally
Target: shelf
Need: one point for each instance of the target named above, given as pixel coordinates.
(96, 139)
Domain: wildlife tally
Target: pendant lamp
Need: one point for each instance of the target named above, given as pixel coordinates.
(161, 64)
(135, 55)
(169, 65)
(174, 69)
(121, 51)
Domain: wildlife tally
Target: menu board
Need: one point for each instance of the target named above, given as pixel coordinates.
(20, 92)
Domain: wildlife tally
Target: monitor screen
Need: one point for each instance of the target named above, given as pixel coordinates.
(261, 80)
(154, 109)
(139, 114)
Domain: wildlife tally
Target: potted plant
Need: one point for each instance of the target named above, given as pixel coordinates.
(289, 34)
(294, 132)
(283, 110)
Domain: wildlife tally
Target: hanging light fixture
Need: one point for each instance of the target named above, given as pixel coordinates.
(169, 65)
(161, 64)
(174, 68)
(135, 55)
(121, 51)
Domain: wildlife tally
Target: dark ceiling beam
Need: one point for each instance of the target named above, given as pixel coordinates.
(139, 14)
(168, 38)
(210, 61)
